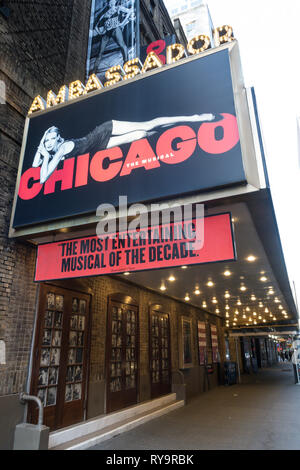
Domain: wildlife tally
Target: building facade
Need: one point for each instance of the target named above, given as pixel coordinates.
(44, 48)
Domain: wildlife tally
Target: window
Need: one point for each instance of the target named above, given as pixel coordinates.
(186, 359)
(152, 7)
(190, 27)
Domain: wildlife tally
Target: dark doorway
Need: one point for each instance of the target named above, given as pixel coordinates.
(122, 352)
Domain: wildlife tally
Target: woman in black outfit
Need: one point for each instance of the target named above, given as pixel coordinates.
(53, 148)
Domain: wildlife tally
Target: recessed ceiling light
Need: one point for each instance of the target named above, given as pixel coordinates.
(171, 278)
(243, 288)
(226, 307)
(217, 310)
(263, 278)
(126, 274)
(197, 291)
(183, 267)
(163, 287)
(227, 272)
(253, 297)
(251, 258)
(239, 302)
(210, 284)
(214, 300)
(187, 297)
(226, 295)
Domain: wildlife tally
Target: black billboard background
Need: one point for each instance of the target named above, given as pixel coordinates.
(194, 87)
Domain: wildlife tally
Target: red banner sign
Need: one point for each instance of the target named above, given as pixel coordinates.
(162, 246)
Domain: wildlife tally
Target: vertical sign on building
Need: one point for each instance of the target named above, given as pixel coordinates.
(114, 35)
(202, 342)
(214, 343)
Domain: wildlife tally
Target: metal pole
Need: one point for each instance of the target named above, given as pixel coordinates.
(24, 397)
(237, 360)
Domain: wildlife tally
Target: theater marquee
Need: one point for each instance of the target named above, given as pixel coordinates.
(171, 132)
(162, 246)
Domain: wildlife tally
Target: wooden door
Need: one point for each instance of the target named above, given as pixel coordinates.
(122, 354)
(61, 356)
(160, 357)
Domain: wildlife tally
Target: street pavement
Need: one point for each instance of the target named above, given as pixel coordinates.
(261, 413)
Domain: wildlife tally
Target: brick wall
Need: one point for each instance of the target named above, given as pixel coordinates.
(35, 57)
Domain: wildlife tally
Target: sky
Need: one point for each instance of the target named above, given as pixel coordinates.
(268, 36)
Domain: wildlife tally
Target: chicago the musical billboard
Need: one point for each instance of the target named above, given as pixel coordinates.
(167, 133)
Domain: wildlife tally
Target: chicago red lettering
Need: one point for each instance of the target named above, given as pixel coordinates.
(185, 148)
(174, 146)
(98, 172)
(30, 185)
(207, 135)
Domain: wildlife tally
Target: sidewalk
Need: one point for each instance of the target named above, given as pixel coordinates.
(262, 413)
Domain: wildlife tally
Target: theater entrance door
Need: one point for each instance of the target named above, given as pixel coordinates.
(160, 359)
(60, 356)
(122, 353)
